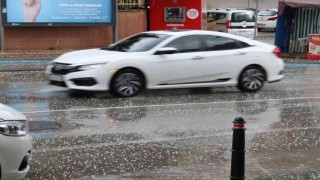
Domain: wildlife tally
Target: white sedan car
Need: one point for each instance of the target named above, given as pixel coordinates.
(169, 59)
(267, 19)
(15, 144)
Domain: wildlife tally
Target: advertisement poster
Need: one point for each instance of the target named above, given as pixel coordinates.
(314, 43)
(58, 11)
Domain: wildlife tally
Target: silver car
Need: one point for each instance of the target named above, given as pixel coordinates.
(15, 144)
(267, 19)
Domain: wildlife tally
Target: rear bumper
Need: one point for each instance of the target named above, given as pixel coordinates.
(266, 25)
(248, 33)
(276, 80)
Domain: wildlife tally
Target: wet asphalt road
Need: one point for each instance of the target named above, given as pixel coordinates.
(170, 134)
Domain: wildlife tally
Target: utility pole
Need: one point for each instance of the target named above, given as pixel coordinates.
(1, 29)
(255, 29)
(257, 9)
(115, 27)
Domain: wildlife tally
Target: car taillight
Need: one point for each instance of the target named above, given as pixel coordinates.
(272, 18)
(277, 52)
(228, 24)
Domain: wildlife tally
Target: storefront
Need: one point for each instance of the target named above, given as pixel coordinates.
(297, 20)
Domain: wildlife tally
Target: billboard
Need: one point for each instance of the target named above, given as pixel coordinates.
(58, 12)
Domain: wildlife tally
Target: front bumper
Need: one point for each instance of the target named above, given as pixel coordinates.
(90, 80)
(14, 155)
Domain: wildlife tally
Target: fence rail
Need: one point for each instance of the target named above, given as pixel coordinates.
(131, 4)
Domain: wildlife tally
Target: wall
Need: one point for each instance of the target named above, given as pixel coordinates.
(77, 37)
(131, 22)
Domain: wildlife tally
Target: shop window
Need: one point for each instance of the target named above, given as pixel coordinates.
(174, 14)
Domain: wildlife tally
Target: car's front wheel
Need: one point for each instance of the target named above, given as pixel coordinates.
(127, 83)
(251, 79)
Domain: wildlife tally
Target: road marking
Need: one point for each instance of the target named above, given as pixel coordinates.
(168, 105)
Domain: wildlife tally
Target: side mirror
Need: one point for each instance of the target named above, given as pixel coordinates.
(166, 50)
(110, 45)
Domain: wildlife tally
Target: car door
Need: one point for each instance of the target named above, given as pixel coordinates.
(181, 67)
(223, 58)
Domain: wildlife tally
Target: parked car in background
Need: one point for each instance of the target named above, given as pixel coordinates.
(267, 19)
(15, 144)
(246, 8)
(235, 21)
(170, 59)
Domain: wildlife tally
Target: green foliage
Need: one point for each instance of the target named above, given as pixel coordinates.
(130, 5)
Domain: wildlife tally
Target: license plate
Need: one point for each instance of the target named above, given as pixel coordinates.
(261, 25)
(243, 33)
(54, 77)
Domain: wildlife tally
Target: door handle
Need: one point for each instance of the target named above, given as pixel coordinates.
(240, 53)
(197, 58)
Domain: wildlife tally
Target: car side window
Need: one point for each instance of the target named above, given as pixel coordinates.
(186, 44)
(219, 17)
(219, 43)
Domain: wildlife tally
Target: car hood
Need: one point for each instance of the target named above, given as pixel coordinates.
(10, 114)
(91, 56)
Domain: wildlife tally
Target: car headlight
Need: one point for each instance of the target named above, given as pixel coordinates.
(14, 128)
(90, 66)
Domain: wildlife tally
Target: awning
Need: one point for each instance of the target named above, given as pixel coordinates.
(296, 4)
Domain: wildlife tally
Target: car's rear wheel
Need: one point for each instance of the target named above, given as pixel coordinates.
(259, 29)
(251, 79)
(127, 83)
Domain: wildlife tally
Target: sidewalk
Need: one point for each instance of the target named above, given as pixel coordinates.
(27, 60)
(33, 54)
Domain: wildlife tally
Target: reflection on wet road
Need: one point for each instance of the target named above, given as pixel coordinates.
(170, 134)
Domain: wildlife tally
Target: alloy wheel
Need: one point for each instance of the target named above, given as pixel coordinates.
(252, 79)
(127, 84)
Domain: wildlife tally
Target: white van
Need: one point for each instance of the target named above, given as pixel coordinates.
(234, 21)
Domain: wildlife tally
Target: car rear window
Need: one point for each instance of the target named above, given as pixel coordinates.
(242, 16)
(267, 13)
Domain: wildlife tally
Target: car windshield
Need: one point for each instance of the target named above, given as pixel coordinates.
(138, 43)
(243, 16)
(267, 13)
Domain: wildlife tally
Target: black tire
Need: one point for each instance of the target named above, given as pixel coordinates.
(259, 29)
(251, 79)
(127, 83)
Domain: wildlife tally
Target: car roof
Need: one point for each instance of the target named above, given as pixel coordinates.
(178, 32)
(228, 10)
(173, 31)
(201, 32)
(271, 9)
